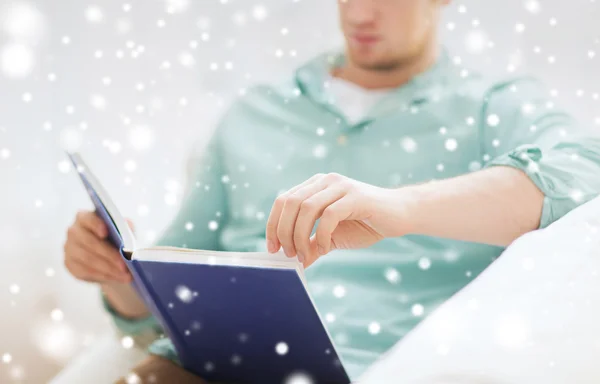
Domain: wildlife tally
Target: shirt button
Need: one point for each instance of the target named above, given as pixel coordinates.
(342, 139)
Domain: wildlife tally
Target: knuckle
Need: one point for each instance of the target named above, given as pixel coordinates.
(71, 232)
(294, 201)
(334, 177)
(328, 213)
(346, 184)
(307, 205)
(80, 216)
(280, 200)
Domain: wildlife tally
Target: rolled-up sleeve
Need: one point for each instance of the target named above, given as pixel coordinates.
(203, 202)
(521, 127)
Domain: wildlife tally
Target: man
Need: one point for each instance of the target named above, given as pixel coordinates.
(355, 139)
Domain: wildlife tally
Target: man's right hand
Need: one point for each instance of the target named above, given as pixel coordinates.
(89, 256)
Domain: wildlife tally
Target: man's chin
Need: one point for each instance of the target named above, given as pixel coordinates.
(373, 63)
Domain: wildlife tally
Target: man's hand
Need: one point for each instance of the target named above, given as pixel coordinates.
(351, 215)
(89, 256)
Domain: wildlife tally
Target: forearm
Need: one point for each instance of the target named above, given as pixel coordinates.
(492, 206)
(125, 300)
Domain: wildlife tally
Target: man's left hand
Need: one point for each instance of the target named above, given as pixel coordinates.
(351, 215)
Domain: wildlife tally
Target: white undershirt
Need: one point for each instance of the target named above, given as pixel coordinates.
(354, 101)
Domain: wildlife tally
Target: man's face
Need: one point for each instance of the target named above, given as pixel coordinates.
(383, 34)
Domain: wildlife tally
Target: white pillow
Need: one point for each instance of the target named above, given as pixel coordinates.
(533, 316)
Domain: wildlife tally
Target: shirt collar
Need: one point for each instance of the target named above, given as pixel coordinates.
(311, 79)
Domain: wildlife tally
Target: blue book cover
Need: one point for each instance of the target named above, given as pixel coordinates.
(233, 317)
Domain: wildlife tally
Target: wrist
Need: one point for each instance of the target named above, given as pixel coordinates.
(397, 212)
(408, 200)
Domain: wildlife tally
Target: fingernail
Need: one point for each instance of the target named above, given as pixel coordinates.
(301, 257)
(321, 250)
(271, 246)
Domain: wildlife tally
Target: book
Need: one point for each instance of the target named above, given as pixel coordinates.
(233, 317)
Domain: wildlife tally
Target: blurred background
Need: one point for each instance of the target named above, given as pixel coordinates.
(135, 85)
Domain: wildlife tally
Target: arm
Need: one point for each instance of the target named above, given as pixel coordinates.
(536, 172)
(493, 206)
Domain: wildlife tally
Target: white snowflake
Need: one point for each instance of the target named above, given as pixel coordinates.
(474, 166)
(417, 310)
(213, 225)
(424, 263)
(532, 6)
(94, 14)
(184, 294)
(576, 195)
(320, 151)
(281, 348)
(16, 60)
(520, 28)
(127, 342)
(330, 317)
(56, 314)
(236, 359)
(476, 42)
(409, 144)
(177, 6)
(187, 59)
(392, 275)
(339, 291)
(259, 12)
(14, 289)
(189, 226)
(22, 21)
(493, 120)
(451, 145)
(130, 165)
(374, 328)
(133, 378)
(298, 378)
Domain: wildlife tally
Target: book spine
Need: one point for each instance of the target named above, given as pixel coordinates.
(161, 313)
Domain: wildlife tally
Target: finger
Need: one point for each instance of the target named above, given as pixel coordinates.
(92, 222)
(81, 269)
(97, 268)
(314, 254)
(287, 221)
(273, 244)
(310, 210)
(84, 272)
(331, 217)
(100, 248)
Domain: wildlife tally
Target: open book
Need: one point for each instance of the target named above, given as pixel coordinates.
(233, 317)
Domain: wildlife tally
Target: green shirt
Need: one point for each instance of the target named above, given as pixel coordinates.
(437, 126)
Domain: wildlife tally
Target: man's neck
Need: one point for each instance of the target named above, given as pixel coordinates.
(393, 78)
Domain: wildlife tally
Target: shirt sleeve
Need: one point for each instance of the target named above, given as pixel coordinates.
(522, 128)
(197, 223)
